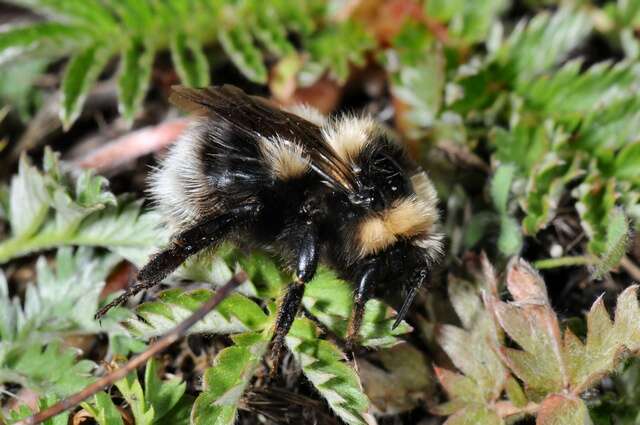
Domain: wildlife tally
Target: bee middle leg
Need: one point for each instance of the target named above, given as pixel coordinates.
(307, 264)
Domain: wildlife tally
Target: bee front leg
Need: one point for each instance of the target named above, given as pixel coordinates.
(307, 263)
(365, 283)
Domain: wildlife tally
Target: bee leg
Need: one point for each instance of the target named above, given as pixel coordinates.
(364, 288)
(288, 309)
(209, 232)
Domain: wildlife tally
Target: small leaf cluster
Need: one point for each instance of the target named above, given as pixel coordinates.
(523, 362)
(51, 208)
(196, 33)
(553, 128)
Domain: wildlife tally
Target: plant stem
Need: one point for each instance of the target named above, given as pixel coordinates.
(579, 260)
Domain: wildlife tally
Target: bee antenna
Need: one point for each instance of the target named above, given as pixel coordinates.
(416, 283)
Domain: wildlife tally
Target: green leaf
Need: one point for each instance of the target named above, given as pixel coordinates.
(21, 40)
(335, 48)
(269, 29)
(617, 243)
(81, 73)
(135, 75)
(501, 187)
(103, 410)
(226, 381)
(190, 61)
(323, 364)
(537, 45)
(417, 67)
(162, 395)
(627, 163)
(23, 411)
(238, 44)
(544, 189)
(28, 200)
(475, 19)
(53, 209)
(596, 202)
(235, 314)
(568, 93)
(131, 390)
(330, 299)
(32, 368)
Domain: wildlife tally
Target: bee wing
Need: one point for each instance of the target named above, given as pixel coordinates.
(254, 116)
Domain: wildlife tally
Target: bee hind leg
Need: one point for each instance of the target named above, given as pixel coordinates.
(207, 233)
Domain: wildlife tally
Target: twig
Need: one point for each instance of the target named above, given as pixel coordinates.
(171, 337)
(631, 268)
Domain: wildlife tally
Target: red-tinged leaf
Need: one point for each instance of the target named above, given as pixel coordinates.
(535, 328)
(480, 364)
(475, 415)
(627, 318)
(458, 387)
(524, 283)
(563, 410)
(574, 354)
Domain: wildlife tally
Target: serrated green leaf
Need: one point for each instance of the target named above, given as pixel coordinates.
(617, 243)
(596, 198)
(32, 368)
(323, 364)
(235, 314)
(81, 73)
(28, 200)
(237, 43)
(270, 30)
(335, 48)
(21, 40)
(190, 61)
(54, 209)
(568, 92)
(91, 14)
(535, 46)
(134, 79)
(226, 380)
(23, 411)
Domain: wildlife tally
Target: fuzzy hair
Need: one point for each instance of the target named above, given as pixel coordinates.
(285, 160)
(309, 113)
(176, 184)
(349, 135)
(411, 218)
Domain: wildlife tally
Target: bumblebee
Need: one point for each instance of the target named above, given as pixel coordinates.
(309, 189)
